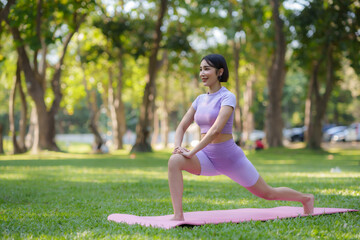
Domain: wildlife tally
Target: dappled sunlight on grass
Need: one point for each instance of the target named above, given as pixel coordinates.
(340, 192)
(323, 175)
(49, 155)
(75, 147)
(74, 174)
(13, 176)
(277, 162)
(200, 203)
(70, 195)
(207, 179)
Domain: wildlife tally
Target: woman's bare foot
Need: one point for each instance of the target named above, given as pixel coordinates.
(177, 218)
(309, 204)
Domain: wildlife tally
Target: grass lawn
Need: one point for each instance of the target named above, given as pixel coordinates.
(70, 195)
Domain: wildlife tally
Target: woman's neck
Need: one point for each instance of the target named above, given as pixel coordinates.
(214, 88)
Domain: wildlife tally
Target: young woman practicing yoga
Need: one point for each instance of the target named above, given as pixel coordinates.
(217, 152)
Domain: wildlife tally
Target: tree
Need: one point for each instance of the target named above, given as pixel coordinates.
(126, 36)
(236, 27)
(275, 80)
(36, 30)
(115, 28)
(327, 32)
(19, 146)
(1, 139)
(249, 41)
(143, 129)
(92, 106)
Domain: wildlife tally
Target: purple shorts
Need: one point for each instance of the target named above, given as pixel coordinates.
(228, 159)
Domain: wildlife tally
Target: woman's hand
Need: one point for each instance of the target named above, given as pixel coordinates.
(187, 154)
(183, 151)
(180, 150)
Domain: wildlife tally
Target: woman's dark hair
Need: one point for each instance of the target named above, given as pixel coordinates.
(218, 61)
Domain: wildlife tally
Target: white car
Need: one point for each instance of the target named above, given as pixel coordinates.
(328, 134)
(353, 132)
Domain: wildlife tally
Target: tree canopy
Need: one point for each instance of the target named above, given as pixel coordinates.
(136, 63)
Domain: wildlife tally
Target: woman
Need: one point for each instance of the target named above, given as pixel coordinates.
(217, 153)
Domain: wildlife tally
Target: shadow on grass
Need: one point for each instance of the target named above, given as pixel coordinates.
(57, 208)
(56, 203)
(90, 160)
(70, 196)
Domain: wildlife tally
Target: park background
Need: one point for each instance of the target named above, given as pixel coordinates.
(119, 69)
(119, 75)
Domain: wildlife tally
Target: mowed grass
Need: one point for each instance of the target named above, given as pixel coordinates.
(70, 195)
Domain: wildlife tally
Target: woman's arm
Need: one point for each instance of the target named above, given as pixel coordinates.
(213, 132)
(183, 126)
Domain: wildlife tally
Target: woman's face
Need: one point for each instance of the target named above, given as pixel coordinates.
(208, 74)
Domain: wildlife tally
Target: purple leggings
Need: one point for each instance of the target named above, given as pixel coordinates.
(228, 159)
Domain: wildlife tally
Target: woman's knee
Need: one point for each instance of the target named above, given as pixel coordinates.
(175, 162)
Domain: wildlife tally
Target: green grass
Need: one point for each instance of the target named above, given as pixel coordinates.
(70, 195)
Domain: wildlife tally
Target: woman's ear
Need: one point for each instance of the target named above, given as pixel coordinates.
(220, 72)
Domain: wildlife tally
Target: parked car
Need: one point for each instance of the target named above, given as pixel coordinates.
(328, 134)
(340, 136)
(327, 126)
(294, 134)
(353, 132)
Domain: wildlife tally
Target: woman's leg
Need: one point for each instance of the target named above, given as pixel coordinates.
(178, 163)
(263, 190)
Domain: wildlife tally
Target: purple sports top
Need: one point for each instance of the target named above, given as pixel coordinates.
(207, 107)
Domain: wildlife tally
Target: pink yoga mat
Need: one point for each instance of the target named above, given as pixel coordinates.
(222, 216)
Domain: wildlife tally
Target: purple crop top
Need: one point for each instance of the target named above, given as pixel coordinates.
(207, 107)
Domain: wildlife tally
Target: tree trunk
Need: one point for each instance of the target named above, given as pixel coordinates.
(45, 138)
(23, 118)
(314, 131)
(16, 148)
(30, 135)
(112, 110)
(94, 111)
(309, 104)
(275, 82)
(36, 91)
(117, 108)
(164, 126)
(156, 131)
(94, 120)
(238, 123)
(165, 108)
(143, 128)
(248, 120)
(120, 108)
(236, 56)
(183, 109)
(1, 139)
(35, 79)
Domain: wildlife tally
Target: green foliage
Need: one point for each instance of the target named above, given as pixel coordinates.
(335, 22)
(57, 16)
(126, 33)
(339, 110)
(177, 38)
(70, 195)
(294, 94)
(74, 120)
(130, 35)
